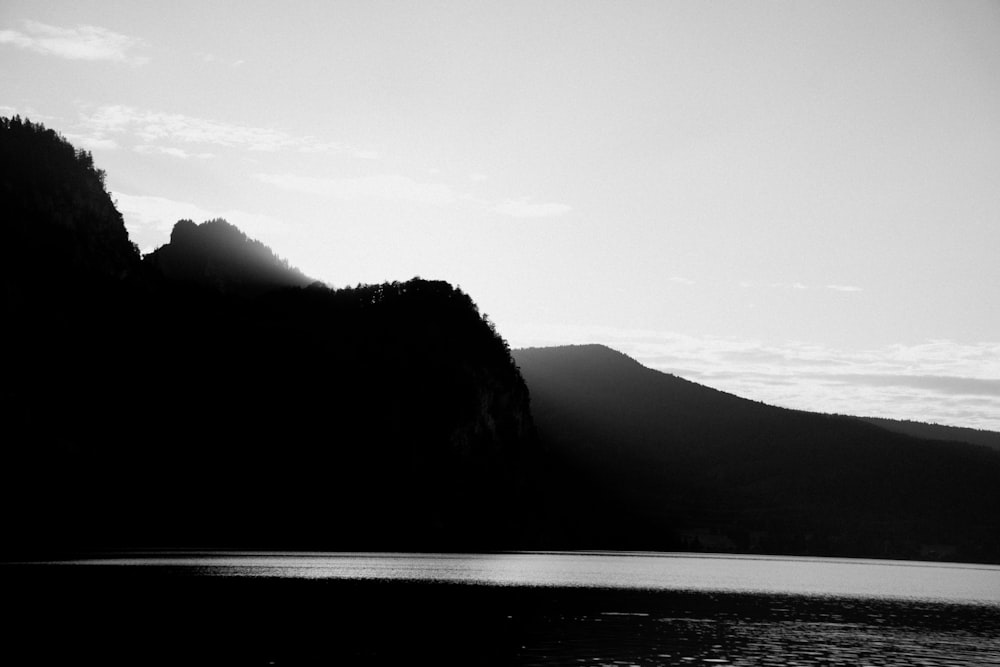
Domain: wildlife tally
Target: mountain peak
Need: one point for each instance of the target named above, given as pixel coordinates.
(184, 231)
(217, 254)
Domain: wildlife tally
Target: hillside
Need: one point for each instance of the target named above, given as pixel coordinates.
(679, 465)
(972, 436)
(204, 398)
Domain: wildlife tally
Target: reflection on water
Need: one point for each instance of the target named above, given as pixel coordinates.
(503, 609)
(958, 582)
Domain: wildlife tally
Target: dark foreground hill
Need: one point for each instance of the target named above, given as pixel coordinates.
(662, 463)
(204, 398)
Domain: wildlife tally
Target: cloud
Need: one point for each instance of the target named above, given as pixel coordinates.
(84, 42)
(93, 142)
(166, 130)
(959, 386)
(937, 381)
(172, 151)
(519, 208)
(393, 187)
(152, 126)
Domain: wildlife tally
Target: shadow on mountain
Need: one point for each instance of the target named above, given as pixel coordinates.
(664, 463)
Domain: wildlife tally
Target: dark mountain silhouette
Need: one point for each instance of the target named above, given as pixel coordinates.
(664, 463)
(60, 226)
(972, 436)
(211, 396)
(203, 398)
(218, 256)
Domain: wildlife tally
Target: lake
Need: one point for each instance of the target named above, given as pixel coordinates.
(510, 608)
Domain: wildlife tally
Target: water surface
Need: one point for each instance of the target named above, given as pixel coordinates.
(501, 609)
(955, 582)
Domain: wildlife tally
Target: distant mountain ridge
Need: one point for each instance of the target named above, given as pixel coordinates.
(926, 431)
(676, 465)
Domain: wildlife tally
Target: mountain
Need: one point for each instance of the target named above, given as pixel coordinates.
(60, 226)
(663, 463)
(217, 255)
(972, 436)
(211, 396)
(380, 417)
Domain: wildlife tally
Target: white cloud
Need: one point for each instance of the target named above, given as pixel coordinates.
(392, 186)
(937, 381)
(172, 151)
(84, 42)
(165, 130)
(152, 126)
(93, 142)
(681, 280)
(844, 288)
(519, 208)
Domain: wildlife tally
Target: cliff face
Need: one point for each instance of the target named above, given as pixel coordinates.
(209, 400)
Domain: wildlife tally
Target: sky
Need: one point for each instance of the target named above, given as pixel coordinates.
(797, 202)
